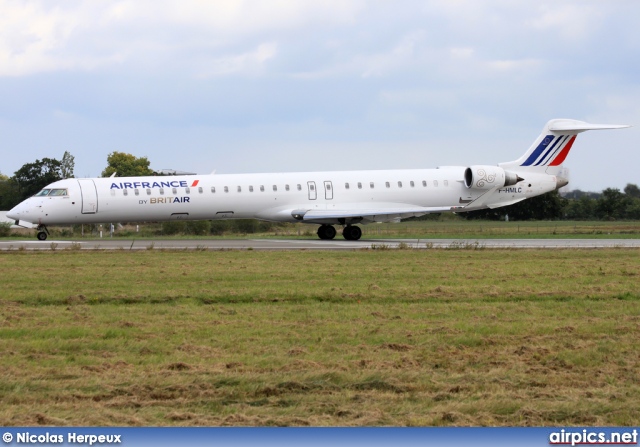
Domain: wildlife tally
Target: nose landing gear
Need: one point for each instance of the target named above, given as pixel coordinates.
(42, 233)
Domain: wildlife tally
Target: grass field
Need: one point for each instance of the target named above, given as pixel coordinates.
(375, 337)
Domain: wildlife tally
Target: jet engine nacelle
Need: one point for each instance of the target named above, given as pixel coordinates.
(487, 177)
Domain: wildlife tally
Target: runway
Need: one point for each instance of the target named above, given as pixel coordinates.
(310, 244)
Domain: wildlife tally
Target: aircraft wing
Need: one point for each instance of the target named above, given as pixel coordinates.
(371, 214)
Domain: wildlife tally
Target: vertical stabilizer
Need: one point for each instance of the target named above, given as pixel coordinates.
(552, 146)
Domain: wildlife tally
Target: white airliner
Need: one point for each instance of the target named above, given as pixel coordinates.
(330, 198)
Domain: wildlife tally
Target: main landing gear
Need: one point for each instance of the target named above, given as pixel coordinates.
(326, 232)
(350, 232)
(42, 233)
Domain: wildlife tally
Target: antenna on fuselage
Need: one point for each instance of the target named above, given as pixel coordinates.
(112, 175)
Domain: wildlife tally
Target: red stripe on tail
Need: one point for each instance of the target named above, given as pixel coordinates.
(563, 153)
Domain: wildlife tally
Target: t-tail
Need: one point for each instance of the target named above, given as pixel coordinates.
(552, 146)
(538, 171)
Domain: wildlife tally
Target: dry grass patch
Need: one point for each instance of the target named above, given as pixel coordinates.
(445, 337)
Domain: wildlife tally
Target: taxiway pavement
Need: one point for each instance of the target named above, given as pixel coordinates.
(309, 244)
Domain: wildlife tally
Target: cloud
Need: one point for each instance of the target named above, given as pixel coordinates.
(251, 63)
(568, 21)
(42, 36)
(106, 75)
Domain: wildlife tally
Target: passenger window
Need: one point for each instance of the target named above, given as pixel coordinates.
(299, 187)
(286, 187)
(312, 187)
(328, 187)
(424, 183)
(346, 186)
(125, 192)
(148, 192)
(200, 189)
(399, 184)
(250, 188)
(161, 191)
(137, 191)
(175, 191)
(371, 185)
(226, 189)
(435, 183)
(239, 188)
(275, 188)
(213, 189)
(113, 192)
(261, 188)
(187, 190)
(387, 184)
(446, 183)
(412, 184)
(359, 185)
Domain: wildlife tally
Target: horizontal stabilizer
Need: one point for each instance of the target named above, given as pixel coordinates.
(564, 125)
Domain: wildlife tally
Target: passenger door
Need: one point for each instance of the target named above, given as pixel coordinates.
(328, 190)
(313, 193)
(89, 196)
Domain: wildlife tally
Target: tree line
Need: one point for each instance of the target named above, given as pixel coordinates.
(610, 204)
(32, 177)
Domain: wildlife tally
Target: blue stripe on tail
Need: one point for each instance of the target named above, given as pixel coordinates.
(536, 153)
(551, 149)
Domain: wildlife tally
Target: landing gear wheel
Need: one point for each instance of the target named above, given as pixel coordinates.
(326, 232)
(42, 232)
(352, 233)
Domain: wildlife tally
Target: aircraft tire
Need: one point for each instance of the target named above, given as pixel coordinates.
(42, 236)
(330, 232)
(326, 232)
(352, 233)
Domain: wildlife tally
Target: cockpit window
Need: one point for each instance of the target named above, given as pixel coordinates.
(58, 192)
(44, 192)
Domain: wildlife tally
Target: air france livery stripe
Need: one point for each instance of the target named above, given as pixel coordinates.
(551, 151)
(563, 154)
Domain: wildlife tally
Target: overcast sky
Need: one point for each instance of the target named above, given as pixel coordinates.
(291, 85)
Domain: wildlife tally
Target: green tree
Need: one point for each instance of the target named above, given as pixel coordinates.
(633, 209)
(612, 204)
(632, 190)
(68, 164)
(127, 165)
(583, 208)
(32, 177)
(543, 207)
(8, 193)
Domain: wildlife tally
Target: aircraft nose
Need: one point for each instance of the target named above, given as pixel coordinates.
(14, 213)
